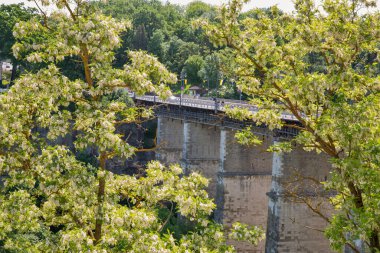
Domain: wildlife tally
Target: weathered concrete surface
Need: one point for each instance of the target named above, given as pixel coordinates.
(245, 200)
(169, 140)
(298, 229)
(292, 226)
(251, 185)
(202, 152)
(248, 160)
(246, 180)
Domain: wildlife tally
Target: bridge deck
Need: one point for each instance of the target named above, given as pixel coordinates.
(211, 113)
(208, 104)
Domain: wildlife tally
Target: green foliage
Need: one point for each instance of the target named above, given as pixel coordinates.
(165, 31)
(9, 16)
(211, 70)
(317, 64)
(243, 232)
(155, 45)
(192, 67)
(281, 147)
(56, 195)
(246, 137)
(197, 9)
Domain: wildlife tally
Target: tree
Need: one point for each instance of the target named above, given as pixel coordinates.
(197, 9)
(177, 52)
(141, 39)
(192, 67)
(168, 33)
(336, 104)
(50, 200)
(155, 45)
(9, 16)
(211, 70)
(149, 17)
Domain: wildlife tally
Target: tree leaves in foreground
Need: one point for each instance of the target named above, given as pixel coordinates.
(50, 201)
(320, 64)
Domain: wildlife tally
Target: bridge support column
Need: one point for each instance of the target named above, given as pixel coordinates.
(219, 199)
(169, 140)
(185, 146)
(274, 207)
(201, 149)
(246, 181)
(292, 225)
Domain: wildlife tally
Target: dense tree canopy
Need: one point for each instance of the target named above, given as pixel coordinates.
(193, 65)
(165, 31)
(50, 199)
(321, 65)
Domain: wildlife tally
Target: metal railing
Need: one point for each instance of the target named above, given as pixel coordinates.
(208, 104)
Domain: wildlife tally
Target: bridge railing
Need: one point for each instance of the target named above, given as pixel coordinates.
(216, 105)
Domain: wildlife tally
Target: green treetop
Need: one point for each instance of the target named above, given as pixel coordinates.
(320, 64)
(50, 201)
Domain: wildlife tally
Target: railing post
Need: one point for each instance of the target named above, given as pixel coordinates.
(216, 105)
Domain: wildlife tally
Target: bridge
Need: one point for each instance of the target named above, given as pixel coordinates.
(248, 184)
(212, 112)
(216, 104)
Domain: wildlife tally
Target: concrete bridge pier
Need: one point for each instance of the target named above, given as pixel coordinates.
(247, 174)
(292, 225)
(196, 147)
(170, 140)
(201, 152)
(252, 185)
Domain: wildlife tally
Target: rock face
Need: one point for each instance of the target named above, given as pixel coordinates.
(252, 185)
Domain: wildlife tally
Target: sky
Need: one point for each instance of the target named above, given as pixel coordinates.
(285, 5)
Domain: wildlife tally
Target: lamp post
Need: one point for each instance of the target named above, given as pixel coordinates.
(208, 85)
(219, 83)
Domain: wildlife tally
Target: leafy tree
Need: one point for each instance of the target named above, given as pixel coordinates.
(337, 105)
(148, 16)
(177, 52)
(167, 31)
(9, 16)
(51, 201)
(197, 9)
(210, 71)
(156, 44)
(141, 38)
(119, 9)
(192, 67)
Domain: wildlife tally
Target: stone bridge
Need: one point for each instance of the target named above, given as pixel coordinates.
(249, 184)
